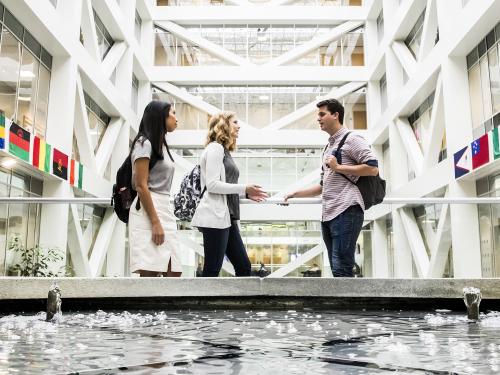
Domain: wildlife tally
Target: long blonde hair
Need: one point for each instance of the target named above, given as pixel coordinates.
(220, 131)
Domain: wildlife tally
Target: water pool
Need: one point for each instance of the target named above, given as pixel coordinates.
(250, 342)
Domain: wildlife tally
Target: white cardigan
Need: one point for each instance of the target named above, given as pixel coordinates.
(212, 211)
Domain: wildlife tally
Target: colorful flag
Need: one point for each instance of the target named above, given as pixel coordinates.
(19, 142)
(2, 130)
(480, 151)
(495, 144)
(463, 162)
(41, 154)
(76, 174)
(60, 164)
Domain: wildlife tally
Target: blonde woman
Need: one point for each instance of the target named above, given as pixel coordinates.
(218, 212)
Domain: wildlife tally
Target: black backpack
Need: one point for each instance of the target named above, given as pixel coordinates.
(372, 188)
(123, 193)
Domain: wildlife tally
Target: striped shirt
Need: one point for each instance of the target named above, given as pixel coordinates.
(338, 193)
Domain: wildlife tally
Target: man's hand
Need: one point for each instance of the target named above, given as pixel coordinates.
(332, 162)
(286, 198)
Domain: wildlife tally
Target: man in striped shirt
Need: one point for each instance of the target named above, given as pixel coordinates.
(343, 206)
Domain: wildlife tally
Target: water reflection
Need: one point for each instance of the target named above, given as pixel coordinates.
(250, 342)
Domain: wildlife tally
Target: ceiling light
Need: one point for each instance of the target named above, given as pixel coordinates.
(8, 162)
(24, 98)
(263, 97)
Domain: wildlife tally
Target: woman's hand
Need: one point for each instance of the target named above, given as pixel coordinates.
(158, 234)
(255, 193)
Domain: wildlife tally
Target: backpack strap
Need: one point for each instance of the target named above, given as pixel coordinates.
(152, 163)
(337, 153)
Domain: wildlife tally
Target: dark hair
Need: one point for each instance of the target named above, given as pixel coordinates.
(152, 128)
(333, 106)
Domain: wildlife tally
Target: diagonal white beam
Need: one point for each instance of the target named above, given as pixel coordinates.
(405, 57)
(337, 93)
(307, 180)
(89, 32)
(168, 49)
(434, 136)
(193, 100)
(82, 129)
(76, 246)
(315, 43)
(190, 244)
(410, 142)
(108, 141)
(415, 241)
(302, 259)
(441, 245)
(429, 30)
(347, 54)
(102, 242)
(203, 43)
(188, 53)
(113, 58)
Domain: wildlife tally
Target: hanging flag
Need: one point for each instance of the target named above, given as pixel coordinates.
(495, 144)
(19, 142)
(41, 154)
(463, 162)
(60, 164)
(76, 174)
(480, 151)
(80, 176)
(2, 130)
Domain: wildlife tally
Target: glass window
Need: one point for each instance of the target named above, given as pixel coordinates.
(485, 87)
(10, 61)
(42, 102)
(475, 95)
(135, 92)
(26, 98)
(259, 44)
(259, 106)
(104, 39)
(137, 26)
(282, 39)
(235, 100)
(494, 70)
(283, 99)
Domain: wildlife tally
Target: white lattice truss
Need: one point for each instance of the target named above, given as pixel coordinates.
(438, 68)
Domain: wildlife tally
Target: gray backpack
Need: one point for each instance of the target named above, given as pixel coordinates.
(189, 195)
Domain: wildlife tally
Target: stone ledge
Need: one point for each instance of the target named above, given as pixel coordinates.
(19, 288)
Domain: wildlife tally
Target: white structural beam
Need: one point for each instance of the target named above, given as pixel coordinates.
(302, 259)
(108, 141)
(89, 31)
(81, 265)
(337, 93)
(193, 100)
(315, 43)
(82, 129)
(112, 58)
(429, 30)
(208, 46)
(258, 15)
(441, 245)
(411, 144)
(102, 242)
(433, 138)
(405, 57)
(256, 75)
(415, 241)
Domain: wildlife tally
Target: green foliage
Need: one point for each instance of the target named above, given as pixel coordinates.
(35, 261)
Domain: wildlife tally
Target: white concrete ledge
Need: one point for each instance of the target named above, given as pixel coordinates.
(18, 288)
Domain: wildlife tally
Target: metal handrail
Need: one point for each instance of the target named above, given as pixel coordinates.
(107, 201)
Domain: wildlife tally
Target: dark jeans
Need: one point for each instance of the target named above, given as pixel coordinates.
(340, 235)
(220, 242)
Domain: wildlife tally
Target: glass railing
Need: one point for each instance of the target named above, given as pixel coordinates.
(402, 237)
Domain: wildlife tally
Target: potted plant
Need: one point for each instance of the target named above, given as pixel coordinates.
(35, 261)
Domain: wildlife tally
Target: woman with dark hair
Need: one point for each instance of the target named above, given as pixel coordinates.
(154, 248)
